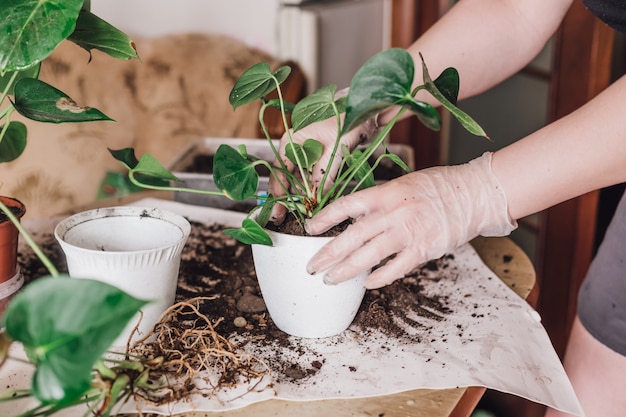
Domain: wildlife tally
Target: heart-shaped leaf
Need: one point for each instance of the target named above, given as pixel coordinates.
(305, 155)
(316, 107)
(32, 29)
(250, 233)
(256, 82)
(233, 174)
(65, 325)
(383, 81)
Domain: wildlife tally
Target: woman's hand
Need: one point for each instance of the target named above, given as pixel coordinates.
(415, 218)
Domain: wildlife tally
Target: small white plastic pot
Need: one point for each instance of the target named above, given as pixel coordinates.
(301, 304)
(135, 249)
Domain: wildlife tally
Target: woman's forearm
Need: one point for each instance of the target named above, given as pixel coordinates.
(487, 41)
(581, 152)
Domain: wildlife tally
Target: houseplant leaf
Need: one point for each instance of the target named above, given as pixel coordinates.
(125, 156)
(31, 30)
(39, 101)
(448, 84)
(363, 172)
(316, 107)
(466, 121)
(148, 165)
(88, 316)
(384, 80)
(94, 33)
(14, 141)
(306, 154)
(233, 174)
(249, 233)
(256, 82)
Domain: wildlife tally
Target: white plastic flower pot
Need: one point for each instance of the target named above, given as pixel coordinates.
(301, 304)
(135, 249)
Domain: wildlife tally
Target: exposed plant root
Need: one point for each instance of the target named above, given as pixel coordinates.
(189, 357)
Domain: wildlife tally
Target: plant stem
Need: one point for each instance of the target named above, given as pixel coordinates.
(42, 257)
(320, 191)
(344, 179)
(6, 112)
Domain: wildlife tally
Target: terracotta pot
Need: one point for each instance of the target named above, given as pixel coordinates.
(9, 237)
(301, 304)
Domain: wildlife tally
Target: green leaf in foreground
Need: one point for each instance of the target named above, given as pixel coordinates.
(65, 325)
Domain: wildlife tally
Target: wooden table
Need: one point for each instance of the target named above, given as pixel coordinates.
(500, 254)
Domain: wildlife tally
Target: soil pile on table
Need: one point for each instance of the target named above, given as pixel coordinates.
(216, 266)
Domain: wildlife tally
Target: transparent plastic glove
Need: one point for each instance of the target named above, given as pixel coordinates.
(326, 133)
(417, 217)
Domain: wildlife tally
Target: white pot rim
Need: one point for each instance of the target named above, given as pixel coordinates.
(77, 219)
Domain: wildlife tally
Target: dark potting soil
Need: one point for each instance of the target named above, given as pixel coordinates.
(214, 264)
(4, 217)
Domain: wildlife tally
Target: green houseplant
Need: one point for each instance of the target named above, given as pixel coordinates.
(65, 350)
(32, 30)
(299, 304)
(383, 82)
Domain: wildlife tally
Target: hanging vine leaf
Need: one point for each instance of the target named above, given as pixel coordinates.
(65, 346)
(36, 100)
(94, 33)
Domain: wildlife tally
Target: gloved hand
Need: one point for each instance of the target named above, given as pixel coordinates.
(417, 217)
(326, 133)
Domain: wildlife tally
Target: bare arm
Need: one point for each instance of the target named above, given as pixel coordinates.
(581, 152)
(487, 41)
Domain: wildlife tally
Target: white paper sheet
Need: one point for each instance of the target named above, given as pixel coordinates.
(492, 338)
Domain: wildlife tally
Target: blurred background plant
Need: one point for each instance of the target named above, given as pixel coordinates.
(32, 30)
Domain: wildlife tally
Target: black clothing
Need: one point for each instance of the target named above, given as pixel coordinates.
(611, 12)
